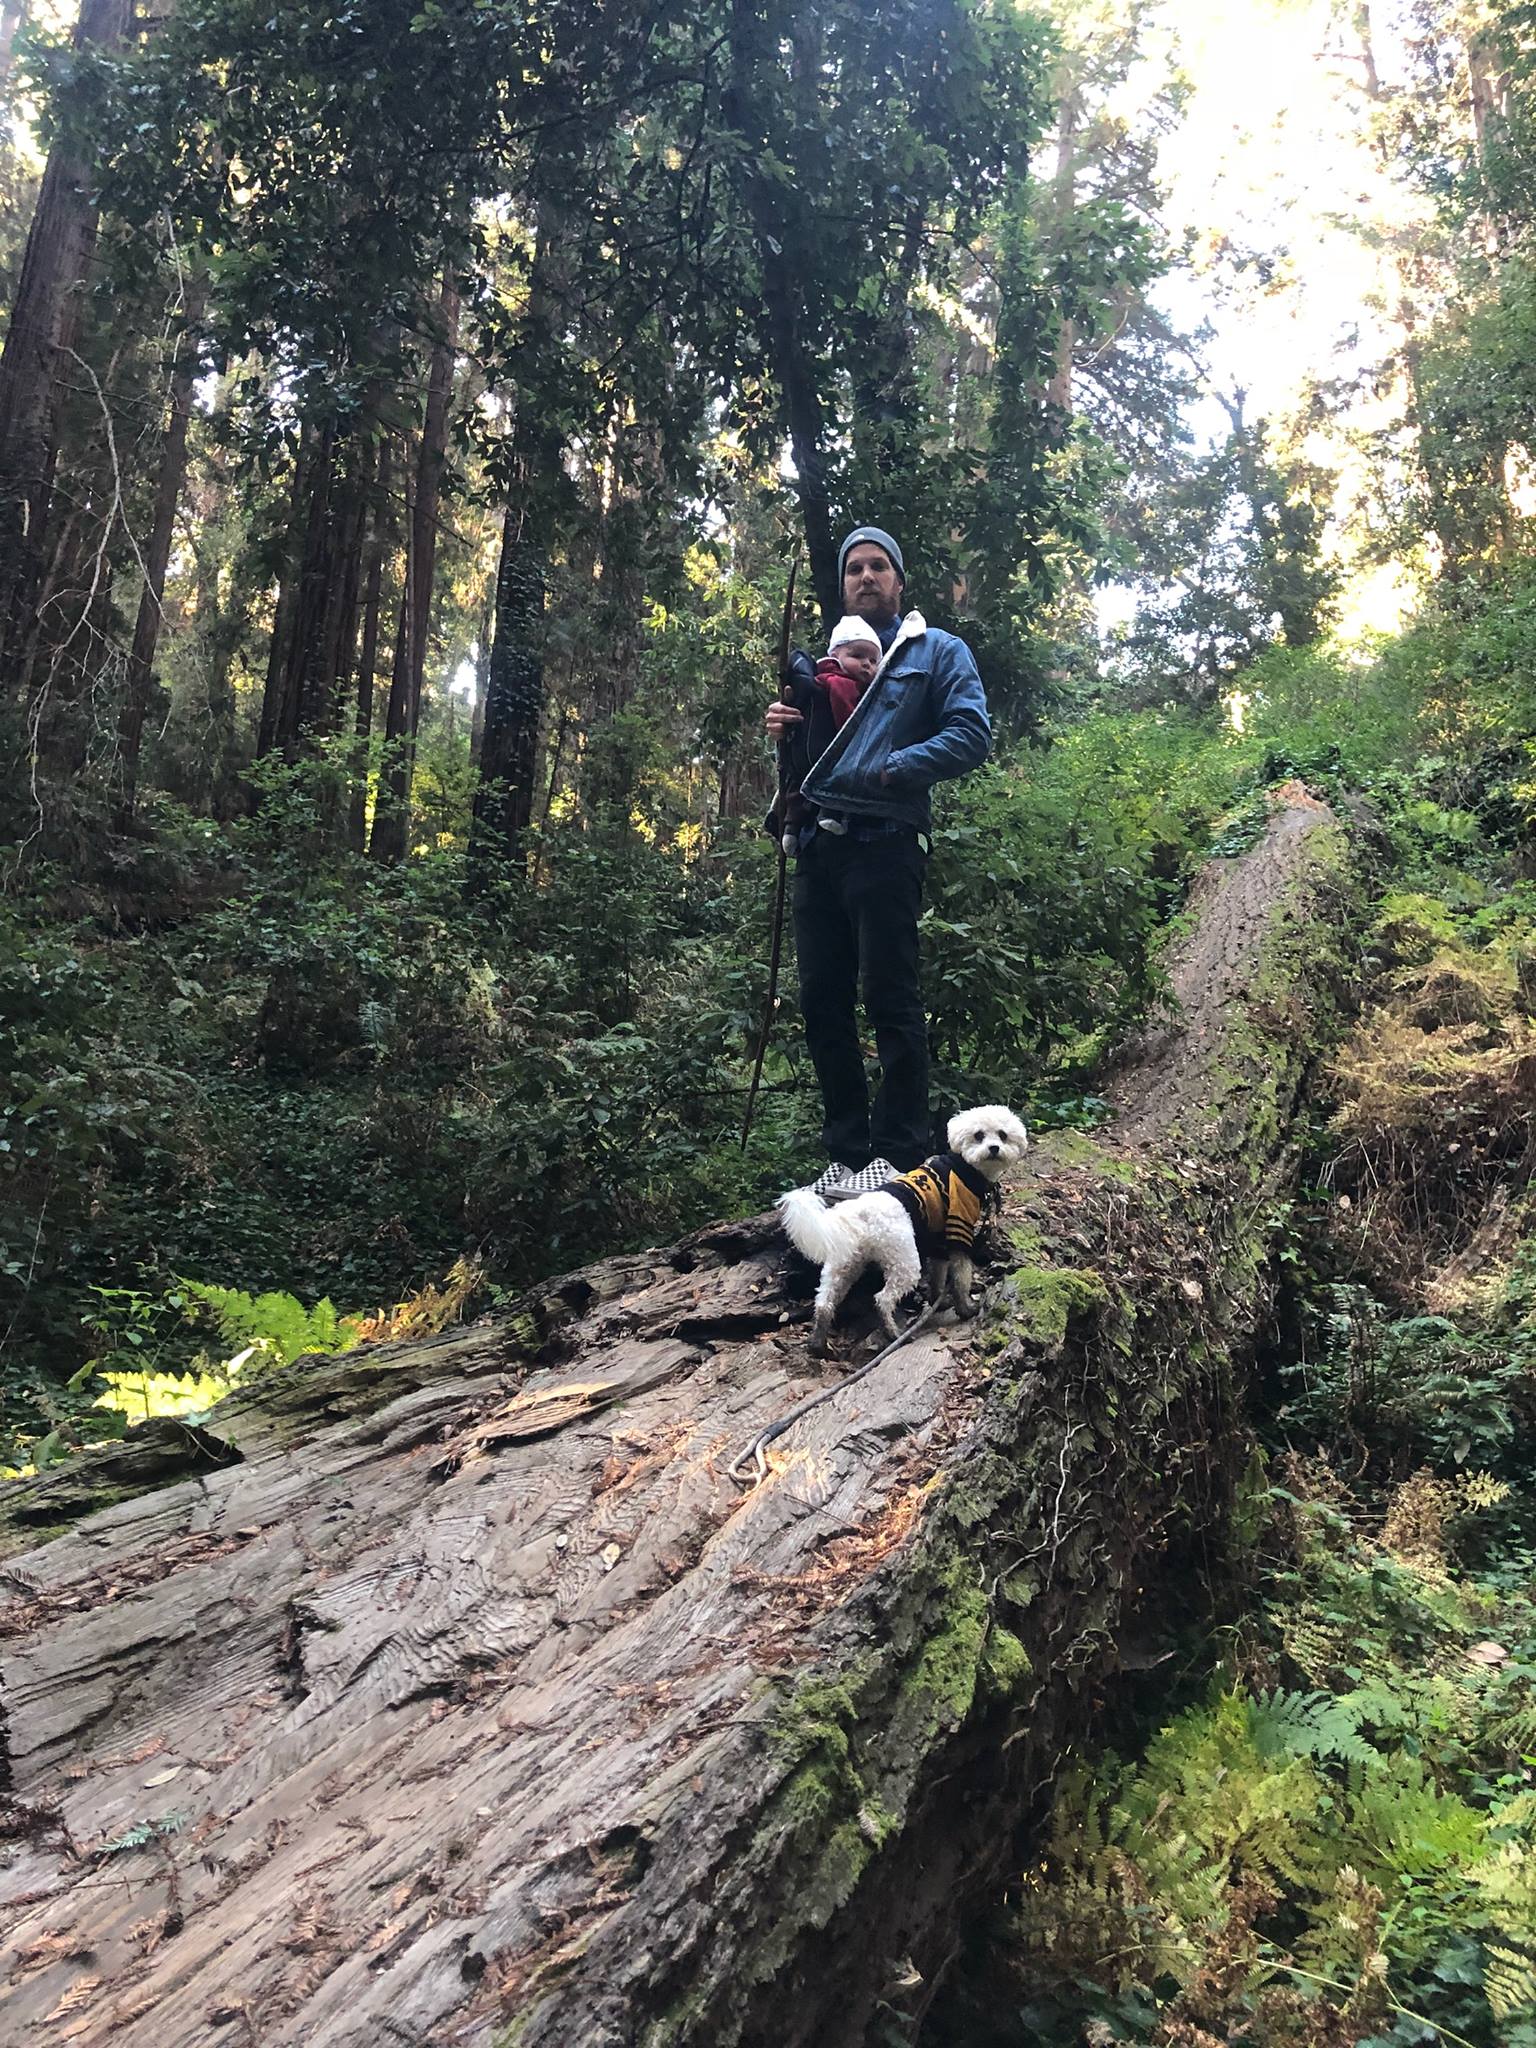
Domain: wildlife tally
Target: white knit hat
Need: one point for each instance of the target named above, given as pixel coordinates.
(850, 629)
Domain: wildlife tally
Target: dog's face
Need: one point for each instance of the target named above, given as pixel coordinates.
(990, 1139)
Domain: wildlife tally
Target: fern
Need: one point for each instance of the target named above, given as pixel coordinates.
(1116, 1897)
(1344, 1936)
(275, 1326)
(1480, 1490)
(142, 1833)
(1515, 1732)
(1313, 1646)
(1518, 1814)
(1322, 1725)
(1401, 1824)
(1350, 1323)
(140, 1395)
(1509, 1980)
(1503, 1887)
(1206, 1779)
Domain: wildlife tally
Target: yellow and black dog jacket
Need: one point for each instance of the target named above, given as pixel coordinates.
(944, 1198)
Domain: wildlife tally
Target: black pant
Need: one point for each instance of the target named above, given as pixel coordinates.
(856, 909)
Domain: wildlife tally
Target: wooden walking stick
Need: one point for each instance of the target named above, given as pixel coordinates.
(779, 881)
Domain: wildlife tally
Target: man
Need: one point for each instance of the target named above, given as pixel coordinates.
(859, 875)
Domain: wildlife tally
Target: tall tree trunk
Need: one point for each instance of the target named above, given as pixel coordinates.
(329, 662)
(1487, 89)
(1063, 203)
(315, 627)
(12, 15)
(514, 692)
(385, 841)
(273, 704)
(514, 699)
(368, 656)
(482, 676)
(44, 320)
(1367, 40)
(795, 364)
(219, 633)
(312, 594)
(392, 808)
(146, 631)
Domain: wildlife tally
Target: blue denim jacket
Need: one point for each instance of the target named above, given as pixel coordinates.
(922, 719)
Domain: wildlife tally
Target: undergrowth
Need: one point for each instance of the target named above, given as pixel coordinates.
(243, 1055)
(235, 1052)
(1338, 1847)
(1332, 1844)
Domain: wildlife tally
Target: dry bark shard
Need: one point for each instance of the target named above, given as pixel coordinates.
(466, 1701)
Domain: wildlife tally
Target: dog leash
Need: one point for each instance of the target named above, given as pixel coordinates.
(758, 1448)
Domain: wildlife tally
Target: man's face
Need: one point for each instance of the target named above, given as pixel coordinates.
(871, 585)
(860, 659)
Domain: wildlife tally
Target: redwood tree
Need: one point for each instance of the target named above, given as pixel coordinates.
(43, 325)
(392, 809)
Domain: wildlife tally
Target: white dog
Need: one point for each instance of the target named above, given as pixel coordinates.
(929, 1215)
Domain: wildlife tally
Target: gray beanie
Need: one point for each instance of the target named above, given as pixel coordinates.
(881, 539)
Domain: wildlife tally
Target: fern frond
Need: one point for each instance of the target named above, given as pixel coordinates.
(1313, 1724)
(1316, 1648)
(142, 1833)
(1377, 1705)
(1516, 1731)
(1401, 1823)
(1509, 1980)
(1480, 1490)
(1518, 1813)
(274, 1324)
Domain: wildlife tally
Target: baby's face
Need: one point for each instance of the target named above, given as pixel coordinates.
(860, 659)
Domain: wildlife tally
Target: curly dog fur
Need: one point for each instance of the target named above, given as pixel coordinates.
(875, 1229)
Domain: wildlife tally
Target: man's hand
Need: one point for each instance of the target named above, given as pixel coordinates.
(781, 719)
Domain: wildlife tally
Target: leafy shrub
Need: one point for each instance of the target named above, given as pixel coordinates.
(1406, 1392)
(1054, 871)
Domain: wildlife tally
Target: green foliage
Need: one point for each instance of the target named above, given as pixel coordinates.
(1321, 1725)
(1324, 1839)
(333, 1078)
(1093, 833)
(1231, 555)
(1339, 1846)
(142, 1833)
(151, 1361)
(1408, 1392)
(137, 1396)
(273, 1326)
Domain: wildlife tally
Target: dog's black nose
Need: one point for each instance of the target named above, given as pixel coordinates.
(994, 1150)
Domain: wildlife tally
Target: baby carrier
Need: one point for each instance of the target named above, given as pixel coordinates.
(799, 747)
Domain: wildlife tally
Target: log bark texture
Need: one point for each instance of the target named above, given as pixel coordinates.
(453, 1693)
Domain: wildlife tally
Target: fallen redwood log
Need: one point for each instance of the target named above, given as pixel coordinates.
(452, 1693)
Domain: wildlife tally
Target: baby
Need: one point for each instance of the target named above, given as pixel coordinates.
(847, 668)
(840, 678)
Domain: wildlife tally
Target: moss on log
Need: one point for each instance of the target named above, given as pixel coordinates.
(454, 1694)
